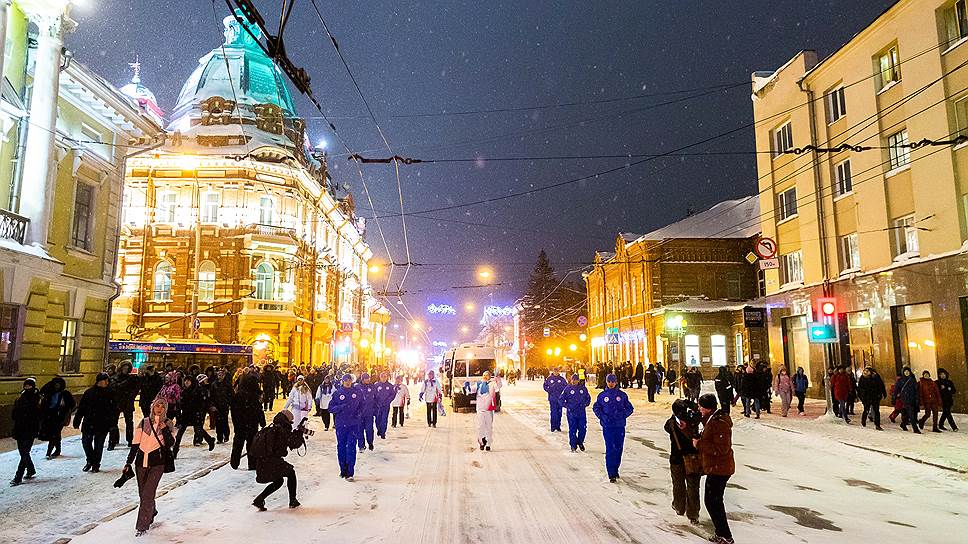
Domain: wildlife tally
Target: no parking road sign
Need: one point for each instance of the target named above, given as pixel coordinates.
(765, 248)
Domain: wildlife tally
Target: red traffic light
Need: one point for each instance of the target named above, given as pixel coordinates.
(827, 307)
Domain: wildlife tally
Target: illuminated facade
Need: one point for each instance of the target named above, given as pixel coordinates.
(883, 231)
(64, 134)
(678, 295)
(232, 232)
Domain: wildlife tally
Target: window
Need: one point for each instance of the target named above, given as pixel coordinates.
(69, 361)
(10, 328)
(914, 338)
(738, 347)
(210, 207)
(83, 211)
(692, 350)
(836, 104)
(961, 116)
(890, 67)
(719, 349)
(167, 204)
(264, 279)
(265, 211)
(843, 183)
(782, 139)
(955, 22)
(206, 282)
(162, 290)
(94, 140)
(897, 146)
(849, 252)
(861, 338)
(796, 346)
(791, 267)
(786, 203)
(905, 235)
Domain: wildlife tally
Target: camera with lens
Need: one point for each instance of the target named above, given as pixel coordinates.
(307, 432)
(688, 412)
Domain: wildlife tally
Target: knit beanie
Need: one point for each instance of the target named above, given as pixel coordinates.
(708, 401)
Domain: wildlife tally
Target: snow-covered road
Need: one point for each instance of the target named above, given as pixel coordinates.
(433, 485)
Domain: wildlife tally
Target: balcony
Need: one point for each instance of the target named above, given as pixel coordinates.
(271, 237)
(267, 306)
(13, 226)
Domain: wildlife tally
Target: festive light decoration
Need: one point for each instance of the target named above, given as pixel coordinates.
(493, 312)
(441, 309)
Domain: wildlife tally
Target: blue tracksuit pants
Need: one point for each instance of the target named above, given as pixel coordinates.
(577, 425)
(346, 449)
(614, 443)
(555, 415)
(382, 417)
(366, 431)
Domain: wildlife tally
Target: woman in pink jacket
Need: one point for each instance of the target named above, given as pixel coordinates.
(783, 388)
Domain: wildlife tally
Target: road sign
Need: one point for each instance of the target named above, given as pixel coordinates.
(613, 338)
(821, 333)
(547, 332)
(582, 321)
(765, 248)
(196, 324)
(770, 264)
(751, 257)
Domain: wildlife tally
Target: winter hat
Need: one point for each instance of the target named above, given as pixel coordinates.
(708, 401)
(202, 379)
(347, 378)
(300, 378)
(31, 381)
(364, 376)
(102, 376)
(611, 378)
(288, 415)
(574, 376)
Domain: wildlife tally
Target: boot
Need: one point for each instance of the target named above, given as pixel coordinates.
(211, 443)
(293, 503)
(260, 504)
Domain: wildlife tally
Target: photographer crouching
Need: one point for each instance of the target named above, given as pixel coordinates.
(269, 447)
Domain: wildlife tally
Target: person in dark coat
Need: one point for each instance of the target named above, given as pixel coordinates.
(749, 390)
(671, 377)
(694, 383)
(906, 396)
(194, 407)
(946, 388)
(270, 382)
(56, 406)
(800, 385)
(272, 468)
(651, 378)
(247, 417)
(715, 445)
(126, 387)
(639, 373)
(870, 391)
(150, 382)
(765, 386)
(685, 486)
(221, 398)
(96, 416)
(724, 388)
(26, 425)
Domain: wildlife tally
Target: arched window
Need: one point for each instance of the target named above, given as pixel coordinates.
(266, 210)
(206, 282)
(162, 284)
(264, 278)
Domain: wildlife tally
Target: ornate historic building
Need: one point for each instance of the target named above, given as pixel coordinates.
(234, 242)
(64, 136)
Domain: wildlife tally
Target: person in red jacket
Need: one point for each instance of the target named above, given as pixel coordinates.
(930, 400)
(842, 386)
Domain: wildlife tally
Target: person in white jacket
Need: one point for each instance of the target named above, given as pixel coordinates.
(400, 401)
(324, 393)
(300, 401)
(431, 394)
(485, 411)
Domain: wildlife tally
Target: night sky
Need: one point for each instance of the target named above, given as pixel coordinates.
(417, 60)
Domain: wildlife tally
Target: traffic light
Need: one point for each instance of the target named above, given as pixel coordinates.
(821, 333)
(826, 309)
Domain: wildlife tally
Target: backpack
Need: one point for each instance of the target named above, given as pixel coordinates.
(260, 446)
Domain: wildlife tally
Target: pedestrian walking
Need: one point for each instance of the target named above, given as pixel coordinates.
(150, 383)
(651, 379)
(270, 382)
(431, 393)
(56, 406)
(715, 445)
(221, 392)
(151, 456)
(694, 381)
(385, 392)
(783, 387)
(841, 386)
(171, 392)
(195, 401)
(612, 407)
(126, 387)
(671, 378)
(764, 375)
(271, 449)
(26, 425)
(247, 417)
(346, 406)
(906, 398)
(724, 388)
(485, 405)
(749, 392)
(946, 388)
(870, 391)
(575, 399)
(401, 399)
(300, 401)
(684, 464)
(95, 417)
(324, 393)
(930, 401)
(368, 391)
(639, 374)
(554, 384)
(800, 386)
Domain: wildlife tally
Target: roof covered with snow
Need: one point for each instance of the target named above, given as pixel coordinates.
(728, 219)
(701, 306)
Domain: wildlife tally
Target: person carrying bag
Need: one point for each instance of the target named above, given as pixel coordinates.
(152, 457)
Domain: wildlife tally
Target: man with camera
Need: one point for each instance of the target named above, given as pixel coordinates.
(269, 447)
(684, 463)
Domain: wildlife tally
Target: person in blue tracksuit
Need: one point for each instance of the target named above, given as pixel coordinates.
(385, 391)
(575, 398)
(365, 437)
(346, 406)
(612, 409)
(554, 384)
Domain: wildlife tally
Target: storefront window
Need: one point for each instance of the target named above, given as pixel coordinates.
(692, 350)
(738, 346)
(796, 348)
(860, 338)
(914, 338)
